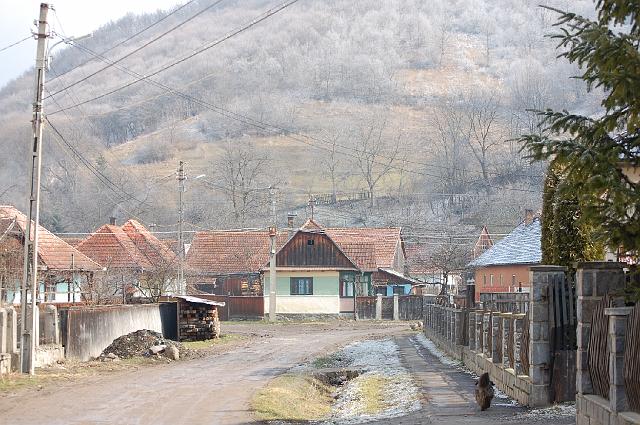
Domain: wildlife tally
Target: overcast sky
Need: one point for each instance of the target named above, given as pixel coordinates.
(77, 17)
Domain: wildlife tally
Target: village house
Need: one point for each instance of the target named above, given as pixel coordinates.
(505, 266)
(430, 279)
(137, 264)
(224, 262)
(320, 270)
(64, 272)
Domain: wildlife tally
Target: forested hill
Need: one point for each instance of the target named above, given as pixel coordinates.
(412, 101)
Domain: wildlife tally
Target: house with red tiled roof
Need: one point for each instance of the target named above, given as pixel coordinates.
(317, 267)
(136, 262)
(63, 270)
(319, 270)
(225, 262)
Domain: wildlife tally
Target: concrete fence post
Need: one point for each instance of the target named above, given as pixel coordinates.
(594, 280)
(3, 330)
(459, 326)
(518, 322)
(51, 327)
(36, 333)
(12, 330)
(452, 333)
(379, 307)
(495, 340)
(541, 278)
(617, 328)
(486, 343)
(447, 324)
(472, 330)
(396, 310)
(507, 321)
(479, 333)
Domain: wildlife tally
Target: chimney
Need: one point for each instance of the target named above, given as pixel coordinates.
(112, 221)
(528, 217)
(290, 218)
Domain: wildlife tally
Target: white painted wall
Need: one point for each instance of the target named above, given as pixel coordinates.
(305, 304)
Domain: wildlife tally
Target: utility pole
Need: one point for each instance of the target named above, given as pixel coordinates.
(273, 231)
(181, 179)
(28, 331)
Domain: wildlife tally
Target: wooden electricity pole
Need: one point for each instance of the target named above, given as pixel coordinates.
(28, 332)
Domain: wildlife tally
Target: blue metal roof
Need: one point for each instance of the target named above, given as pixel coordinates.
(521, 246)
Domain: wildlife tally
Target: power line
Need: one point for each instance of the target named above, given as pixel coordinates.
(134, 51)
(270, 127)
(173, 12)
(15, 44)
(244, 119)
(104, 179)
(198, 51)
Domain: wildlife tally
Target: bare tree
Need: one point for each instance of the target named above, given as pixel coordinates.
(450, 138)
(482, 115)
(376, 156)
(242, 172)
(449, 256)
(332, 164)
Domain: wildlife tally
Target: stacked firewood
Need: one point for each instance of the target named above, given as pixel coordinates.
(199, 322)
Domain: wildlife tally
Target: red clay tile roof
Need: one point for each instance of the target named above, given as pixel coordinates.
(53, 252)
(151, 247)
(385, 242)
(111, 246)
(418, 261)
(227, 252)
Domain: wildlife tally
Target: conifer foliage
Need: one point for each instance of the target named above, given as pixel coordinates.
(594, 152)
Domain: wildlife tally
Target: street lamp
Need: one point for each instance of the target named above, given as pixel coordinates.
(66, 40)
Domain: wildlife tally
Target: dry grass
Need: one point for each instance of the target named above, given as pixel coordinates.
(208, 343)
(372, 390)
(293, 398)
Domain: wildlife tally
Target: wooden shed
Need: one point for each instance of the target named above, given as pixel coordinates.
(198, 318)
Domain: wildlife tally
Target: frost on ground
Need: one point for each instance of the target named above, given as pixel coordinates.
(502, 398)
(562, 410)
(379, 360)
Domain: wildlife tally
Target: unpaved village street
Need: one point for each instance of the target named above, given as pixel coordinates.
(217, 389)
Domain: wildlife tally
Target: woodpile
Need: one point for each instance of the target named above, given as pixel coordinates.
(198, 322)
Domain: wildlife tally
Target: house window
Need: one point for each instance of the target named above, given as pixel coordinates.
(501, 280)
(310, 242)
(347, 284)
(484, 280)
(513, 281)
(398, 290)
(301, 286)
(491, 280)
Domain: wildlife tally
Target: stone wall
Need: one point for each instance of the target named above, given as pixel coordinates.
(445, 327)
(594, 282)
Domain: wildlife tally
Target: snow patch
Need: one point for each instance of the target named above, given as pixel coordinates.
(375, 358)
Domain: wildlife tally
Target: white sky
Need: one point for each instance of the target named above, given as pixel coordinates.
(78, 17)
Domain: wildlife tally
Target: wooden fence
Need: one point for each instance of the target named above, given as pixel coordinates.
(238, 307)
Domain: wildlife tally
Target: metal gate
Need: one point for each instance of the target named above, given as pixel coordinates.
(169, 319)
(562, 336)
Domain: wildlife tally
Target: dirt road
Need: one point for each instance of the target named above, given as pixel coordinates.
(211, 390)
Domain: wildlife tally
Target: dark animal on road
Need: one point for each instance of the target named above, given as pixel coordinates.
(484, 391)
